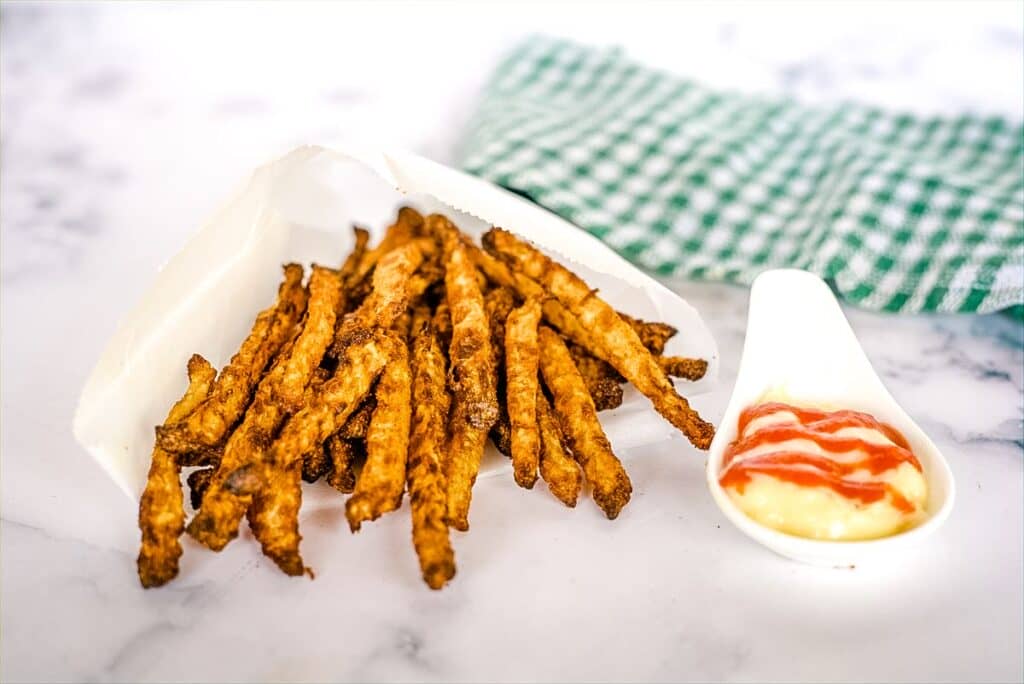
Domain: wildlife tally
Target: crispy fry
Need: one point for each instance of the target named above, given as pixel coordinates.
(269, 508)
(161, 510)
(405, 227)
(388, 299)
(273, 479)
(425, 475)
(217, 521)
(342, 475)
(557, 467)
(317, 333)
(315, 464)
(201, 457)
(430, 272)
(198, 481)
(475, 403)
(498, 303)
(351, 263)
(442, 323)
(232, 390)
(356, 425)
(554, 313)
(365, 356)
(616, 341)
(578, 418)
(274, 518)
(602, 380)
(683, 367)
(380, 486)
(522, 359)
(501, 432)
(654, 335)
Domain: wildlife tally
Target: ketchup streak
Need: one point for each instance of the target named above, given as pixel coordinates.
(810, 470)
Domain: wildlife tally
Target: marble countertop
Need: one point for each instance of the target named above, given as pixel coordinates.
(124, 126)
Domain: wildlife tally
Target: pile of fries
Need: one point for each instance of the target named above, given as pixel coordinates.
(391, 373)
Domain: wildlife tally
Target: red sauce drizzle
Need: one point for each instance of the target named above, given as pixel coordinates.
(810, 470)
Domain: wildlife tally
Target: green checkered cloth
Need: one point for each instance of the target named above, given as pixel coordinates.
(900, 213)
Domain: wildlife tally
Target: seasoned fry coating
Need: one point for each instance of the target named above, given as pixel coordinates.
(334, 403)
(161, 509)
(654, 335)
(557, 467)
(554, 313)
(442, 323)
(405, 227)
(202, 457)
(232, 390)
(198, 481)
(317, 333)
(342, 475)
(602, 380)
(356, 425)
(351, 263)
(501, 432)
(475, 402)
(616, 341)
(230, 495)
(274, 518)
(380, 485)
(315, 464)
(427, 499)
(430, 273)
(217, 521)
(522, 358)
(683, 367)
(498, 303)
(578, 418)
(388, 299)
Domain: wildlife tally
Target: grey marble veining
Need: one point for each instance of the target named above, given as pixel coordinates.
(123, 126)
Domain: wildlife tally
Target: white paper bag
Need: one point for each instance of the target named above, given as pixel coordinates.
(301, 208)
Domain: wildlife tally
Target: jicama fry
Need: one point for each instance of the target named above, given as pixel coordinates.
(426, 480)
(317, 334)
(356, 425)
(522, 355)
(232, 390)
(559, 470)
(274, 518)
(381, 484)
(554, 313)
(198, 480)
(342, 475)
(315, 465)
(498, 303)
(161, 509)
(682, 367)
(654, 335)
(616, 341)
(602, 380)
(217, 521)
(475, 403)
(403, 230)
(388, 299)
(501, 433)
(578, 418)
(334, 403)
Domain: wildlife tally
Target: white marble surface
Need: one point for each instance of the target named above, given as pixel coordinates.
(122, 127)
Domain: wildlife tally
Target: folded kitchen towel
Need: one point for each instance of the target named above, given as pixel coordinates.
(901, 213)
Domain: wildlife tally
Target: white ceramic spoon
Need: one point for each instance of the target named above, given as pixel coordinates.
(798, 341)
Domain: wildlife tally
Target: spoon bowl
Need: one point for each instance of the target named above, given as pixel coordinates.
(799, 343)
